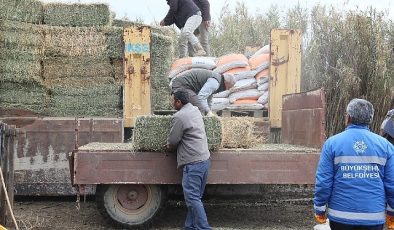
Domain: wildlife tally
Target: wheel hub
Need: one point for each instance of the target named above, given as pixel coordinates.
(132, 197)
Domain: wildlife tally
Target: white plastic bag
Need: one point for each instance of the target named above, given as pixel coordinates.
(325, 226)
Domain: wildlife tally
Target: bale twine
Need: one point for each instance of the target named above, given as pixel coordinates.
(74, 41)
(238, 132)
(57, 14)
(76, 67)
(30, 11)
(151, 132)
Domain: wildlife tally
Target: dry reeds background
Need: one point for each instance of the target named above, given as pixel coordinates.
(349, 53)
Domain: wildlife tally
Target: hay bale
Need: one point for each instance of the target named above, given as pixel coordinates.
(33, 97)
(74, 41)
(20, 71)
(70, 83)
(238, 132)
(161, 99)
(77, 67)
(20, 54)
(57, 14)
(114, 40)
(85, 100)
(24, 11)
(161, 59)
(150, 132)
(20, 35)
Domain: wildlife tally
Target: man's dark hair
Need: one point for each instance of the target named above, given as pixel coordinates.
(181, 95)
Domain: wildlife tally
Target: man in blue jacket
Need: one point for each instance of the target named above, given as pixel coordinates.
(187, 17)
(355, 176)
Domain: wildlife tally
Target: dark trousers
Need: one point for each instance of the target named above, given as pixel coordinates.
(339, 226)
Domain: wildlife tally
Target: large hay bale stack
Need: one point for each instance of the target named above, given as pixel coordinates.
(57, 14)
(114, 40)
(23, 11)
(150, 132)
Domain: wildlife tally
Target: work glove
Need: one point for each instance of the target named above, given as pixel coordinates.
(390, 221)
(321, 219)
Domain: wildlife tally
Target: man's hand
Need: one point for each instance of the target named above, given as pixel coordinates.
(162, 23)
(211, 114)
(321, 219)
(207, 24)
(390, 221)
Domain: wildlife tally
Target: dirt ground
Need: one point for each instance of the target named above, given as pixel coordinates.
(222, 214)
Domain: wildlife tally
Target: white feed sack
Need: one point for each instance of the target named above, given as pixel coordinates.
(263, 99)
(188, 63)
(263, 87)
(222, 94)
(230, 61)
(244, 84)
(255, 106)
(246, 94)
(219, 103)
(264, 50)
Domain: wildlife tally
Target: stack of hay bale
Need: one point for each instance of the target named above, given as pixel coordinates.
(21, 42)
(77, 60)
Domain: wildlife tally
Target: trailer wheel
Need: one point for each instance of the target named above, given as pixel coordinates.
(132, 206)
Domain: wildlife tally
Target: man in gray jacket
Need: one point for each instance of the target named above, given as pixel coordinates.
(187, 17)
(188, 137)
(201, 84)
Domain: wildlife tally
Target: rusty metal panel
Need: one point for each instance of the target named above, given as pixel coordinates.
(228, 167)
(285, 70)
(41, 155)
(303, 119)
(137, 71)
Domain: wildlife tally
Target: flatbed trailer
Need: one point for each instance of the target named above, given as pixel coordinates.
(132, 185)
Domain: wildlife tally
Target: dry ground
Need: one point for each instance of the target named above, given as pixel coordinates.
(222, 214)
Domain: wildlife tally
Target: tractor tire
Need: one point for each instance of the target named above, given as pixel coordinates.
(132, 206)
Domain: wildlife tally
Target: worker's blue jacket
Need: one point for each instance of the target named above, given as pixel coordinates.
(355, 178)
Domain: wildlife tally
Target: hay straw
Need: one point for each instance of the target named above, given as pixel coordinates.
(70, 83)
(24, 11)
(17, 39)
(238, 132)
(57, 14)
(151, 132)
(77, 67)
(118, 71)
(20, 71)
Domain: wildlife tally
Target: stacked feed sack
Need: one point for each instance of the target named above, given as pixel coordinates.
(150, 133)
(21, 85)
(162, 53)
(250, 91)
(30, 11)
(77, 65)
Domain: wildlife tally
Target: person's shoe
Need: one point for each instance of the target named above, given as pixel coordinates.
(199, 50)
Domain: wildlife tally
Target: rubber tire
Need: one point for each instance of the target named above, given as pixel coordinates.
(141, 218)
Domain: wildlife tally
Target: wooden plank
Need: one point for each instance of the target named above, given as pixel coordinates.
(136, 91)
(285, 70)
